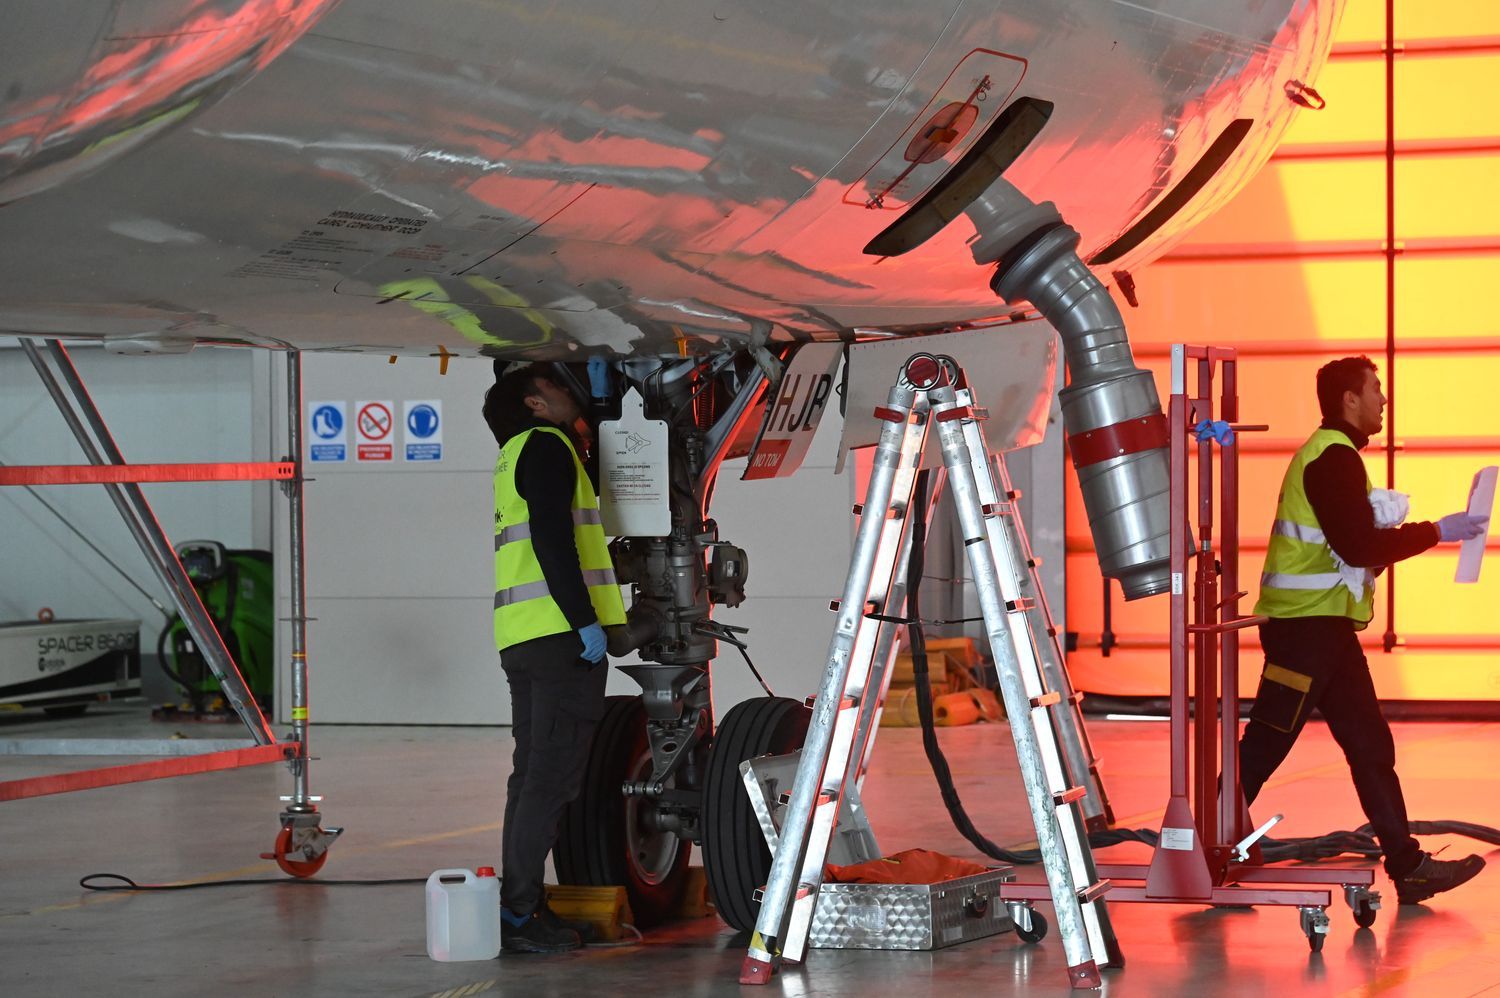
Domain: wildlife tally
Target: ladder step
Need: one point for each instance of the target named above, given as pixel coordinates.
(1024, 603)
(844, 704)
(1094, 891)
(1047, 699)
(1069, 795)
(826, 797)
(991, 509)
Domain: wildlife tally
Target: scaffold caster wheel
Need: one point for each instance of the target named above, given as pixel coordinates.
(1315, 927)
(1034, 933)
(286, 857)
(1364, 903)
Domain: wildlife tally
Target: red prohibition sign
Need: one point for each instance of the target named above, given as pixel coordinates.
(374, 421)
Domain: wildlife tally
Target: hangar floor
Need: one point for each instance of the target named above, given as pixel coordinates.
(417, 799)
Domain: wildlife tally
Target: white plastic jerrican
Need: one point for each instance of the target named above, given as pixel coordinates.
(463, 915)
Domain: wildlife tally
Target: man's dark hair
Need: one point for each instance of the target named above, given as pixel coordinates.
(505, 403)
(1347, 374)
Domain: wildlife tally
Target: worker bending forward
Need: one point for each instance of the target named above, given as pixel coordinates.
(1318, 589)
(555, 591)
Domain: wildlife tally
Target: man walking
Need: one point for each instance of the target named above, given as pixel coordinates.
(555, 591)
(1318, 589)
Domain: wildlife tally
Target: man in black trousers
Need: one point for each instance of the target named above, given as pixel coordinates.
(1318, 589)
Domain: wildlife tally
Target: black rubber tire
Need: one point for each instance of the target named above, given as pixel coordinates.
(67, 710)
(736, 861)
(1364, 915)
(1038, 930)
(592, 846)
(1315, 941)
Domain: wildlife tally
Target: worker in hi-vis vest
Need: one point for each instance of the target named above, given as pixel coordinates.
(555, 592)
(1332, 533)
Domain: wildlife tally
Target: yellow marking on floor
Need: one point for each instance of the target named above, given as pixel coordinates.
(1403, 976)
(465, 990)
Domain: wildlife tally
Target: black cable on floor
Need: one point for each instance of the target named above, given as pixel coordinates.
(126, 884)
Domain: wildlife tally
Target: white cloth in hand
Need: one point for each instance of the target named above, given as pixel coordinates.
(1390, 508)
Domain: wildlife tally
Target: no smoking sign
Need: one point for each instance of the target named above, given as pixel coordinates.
(372, 431)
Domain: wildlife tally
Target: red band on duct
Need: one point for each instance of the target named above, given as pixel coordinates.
(97, 474)
(1116, 440)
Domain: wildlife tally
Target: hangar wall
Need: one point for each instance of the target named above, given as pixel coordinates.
(1293, 273)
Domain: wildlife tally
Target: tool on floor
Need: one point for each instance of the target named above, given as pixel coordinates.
(932, 391)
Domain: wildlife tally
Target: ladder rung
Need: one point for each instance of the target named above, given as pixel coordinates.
(758, 895)
(1069, 795)
(826, 797)
(998, 509)
(1014, 494)
(1094, 892)
(889, 415)
(1033, 562)
(805, 890)
(1047, 699)
(844, 704)
(961, 412)
(1075, 697)
(859, 509)
(1024, 603)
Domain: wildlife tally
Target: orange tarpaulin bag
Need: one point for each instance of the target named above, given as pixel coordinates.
(911, 866)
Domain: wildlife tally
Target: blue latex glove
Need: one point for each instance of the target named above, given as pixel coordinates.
(599, 377)
(1461, 526)
(594, 643)
(1218, 429)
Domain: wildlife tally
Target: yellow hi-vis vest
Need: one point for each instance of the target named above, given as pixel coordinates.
(1301, 578)
(524, 607)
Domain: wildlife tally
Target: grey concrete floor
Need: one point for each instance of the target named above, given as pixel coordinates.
(418, 799)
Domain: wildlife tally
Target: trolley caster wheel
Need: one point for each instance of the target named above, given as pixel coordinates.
(304, 858)
(1036, 931)
(1315, 927)
(1364, 903)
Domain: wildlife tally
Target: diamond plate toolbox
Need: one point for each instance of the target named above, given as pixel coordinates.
(910, 916)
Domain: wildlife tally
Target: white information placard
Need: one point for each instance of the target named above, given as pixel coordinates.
(1481, 503)
(633, 473)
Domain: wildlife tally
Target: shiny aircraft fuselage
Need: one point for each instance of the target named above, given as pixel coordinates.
(534, 179)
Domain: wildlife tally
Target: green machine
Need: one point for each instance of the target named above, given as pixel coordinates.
(237, 589)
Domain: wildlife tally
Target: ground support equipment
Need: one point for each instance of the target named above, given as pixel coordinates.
(1207, 852)
(302, 845)
(930, 391)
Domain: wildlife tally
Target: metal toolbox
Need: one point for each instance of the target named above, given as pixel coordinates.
(910, 916)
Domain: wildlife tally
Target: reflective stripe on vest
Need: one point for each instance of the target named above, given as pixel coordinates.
(1301, 577)
(524, 607)
(522, 531)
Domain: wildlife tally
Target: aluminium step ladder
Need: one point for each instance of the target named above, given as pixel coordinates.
(930, 390)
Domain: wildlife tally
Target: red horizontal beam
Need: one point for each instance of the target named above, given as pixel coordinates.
(1470, 45)
(1418, 642)
(100, 474)
(1375, 149)
(1339, 348)
(139, 772)
(1327, 250)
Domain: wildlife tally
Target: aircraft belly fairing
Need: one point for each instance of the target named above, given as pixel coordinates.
(518, 181)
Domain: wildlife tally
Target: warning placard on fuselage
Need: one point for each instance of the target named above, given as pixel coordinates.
(794, 412)
(633, 473)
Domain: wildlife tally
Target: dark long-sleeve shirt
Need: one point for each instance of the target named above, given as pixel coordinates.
(1335, 486)
(546, 478)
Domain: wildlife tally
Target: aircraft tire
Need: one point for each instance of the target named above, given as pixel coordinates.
(736, 860)
(603, 840)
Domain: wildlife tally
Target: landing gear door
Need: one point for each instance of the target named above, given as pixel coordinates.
(793, 411)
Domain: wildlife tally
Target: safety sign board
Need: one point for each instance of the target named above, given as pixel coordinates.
(373, 431)
(423, 429)
(792, 415)
(633, 473)
(327, 432)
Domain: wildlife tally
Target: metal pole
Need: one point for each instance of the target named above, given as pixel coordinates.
(298, 565)
(1229, 650)
(1389, 638)
(146, 529)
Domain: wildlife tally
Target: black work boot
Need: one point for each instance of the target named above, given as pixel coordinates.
(535, 933)
(1433, 876)
(585, 930)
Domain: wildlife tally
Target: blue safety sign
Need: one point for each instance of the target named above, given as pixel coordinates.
(328, 432)
(424, 430)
